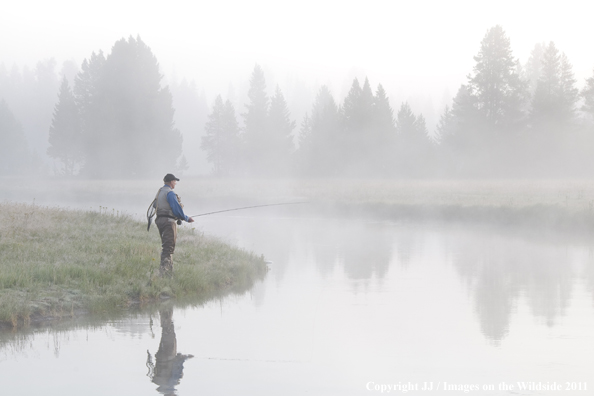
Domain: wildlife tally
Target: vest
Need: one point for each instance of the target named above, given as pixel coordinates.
(163, 207)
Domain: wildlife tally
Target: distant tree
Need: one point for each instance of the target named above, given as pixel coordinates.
(587, 94)
(256, 124)
(280, 141)
(318, 153)
(545, 102)
(87, 84)
(413, 143)
(568, 90)
(191, 114)
(533, 67)
(384, 135)
(14, 155)
(495, 83)
(222, 142)
(460, 142)
(358, 144)
(65, 132)
(128, 117)
(555, 97)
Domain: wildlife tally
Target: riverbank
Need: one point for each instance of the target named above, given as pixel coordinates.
(56, 262)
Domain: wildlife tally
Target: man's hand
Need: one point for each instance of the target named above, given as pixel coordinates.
(191, 220)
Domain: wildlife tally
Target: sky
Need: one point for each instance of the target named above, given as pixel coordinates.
(420, 51)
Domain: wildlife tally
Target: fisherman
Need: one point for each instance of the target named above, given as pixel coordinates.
(169, 213)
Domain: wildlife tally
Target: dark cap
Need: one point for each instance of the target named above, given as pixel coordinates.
(169, 177)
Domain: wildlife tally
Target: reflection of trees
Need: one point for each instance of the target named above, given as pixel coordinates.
(167, 370)
(365, 250)
(589, 271)
(499, 270)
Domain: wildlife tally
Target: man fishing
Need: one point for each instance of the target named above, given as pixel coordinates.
(169, 213)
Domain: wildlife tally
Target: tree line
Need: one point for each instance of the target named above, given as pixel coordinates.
(508, 119)
(114, 118)
(115, 121)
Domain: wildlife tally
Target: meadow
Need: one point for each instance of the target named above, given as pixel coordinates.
(57, 263)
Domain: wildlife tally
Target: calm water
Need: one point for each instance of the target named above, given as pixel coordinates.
(347, 307)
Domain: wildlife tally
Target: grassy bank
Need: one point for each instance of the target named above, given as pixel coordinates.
(56, 262)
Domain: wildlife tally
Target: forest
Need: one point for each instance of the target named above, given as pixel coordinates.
(114, 117)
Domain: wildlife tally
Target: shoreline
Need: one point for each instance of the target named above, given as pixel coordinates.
(57, 263)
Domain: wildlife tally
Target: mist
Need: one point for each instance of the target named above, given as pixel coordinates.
(421, 55)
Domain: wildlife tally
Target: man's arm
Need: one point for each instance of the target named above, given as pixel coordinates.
(175, 207)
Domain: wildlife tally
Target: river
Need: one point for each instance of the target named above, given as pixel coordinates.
(349, 307)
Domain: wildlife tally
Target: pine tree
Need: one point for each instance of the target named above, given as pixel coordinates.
(280, 140)
(413, 142)
(318, 152)
(14, 154)
(495, 83)
(555, 97)
(359, 143)
(256, 124)
(128, 117)
(588, 95)
(568, 90)
(222, 142)
(65, 132)
(533, 67)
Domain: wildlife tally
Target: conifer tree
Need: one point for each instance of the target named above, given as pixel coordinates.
(318, 153)
(128, 117)
(256, 124)
(495, 83)
(413, 143)
(280, 140)
(533, 67)
(587, 94)
(65, 132)
(568, 90)
(14, 154)
(222, 142)
(359, 142)
(555, 97)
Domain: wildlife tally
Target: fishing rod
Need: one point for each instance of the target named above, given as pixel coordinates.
(249, 207)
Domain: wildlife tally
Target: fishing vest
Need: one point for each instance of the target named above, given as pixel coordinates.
(162, 206)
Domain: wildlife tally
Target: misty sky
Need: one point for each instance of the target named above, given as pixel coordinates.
(414, 48)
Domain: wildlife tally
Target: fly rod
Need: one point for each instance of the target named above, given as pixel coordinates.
(249, 207)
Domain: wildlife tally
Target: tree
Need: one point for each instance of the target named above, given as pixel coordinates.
(14, 155)
(533, 67)
(222, 142)
(568, 91)
(413, 142)
(256, 124)
(358, 143)
(318, 153)
(128, 117)
(280, 140)
(65, 132)
(555, 97)
(545, 102)
(588, 95)
(384, 132)
(495, 83)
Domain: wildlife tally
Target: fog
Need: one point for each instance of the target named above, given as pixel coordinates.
(420, 53)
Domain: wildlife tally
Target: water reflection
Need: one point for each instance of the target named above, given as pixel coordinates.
(168, 367)
(500, 271)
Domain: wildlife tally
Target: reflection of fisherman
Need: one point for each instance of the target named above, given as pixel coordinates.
(169, 212)
(169, 365)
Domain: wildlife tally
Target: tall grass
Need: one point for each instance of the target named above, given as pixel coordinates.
(57, 262)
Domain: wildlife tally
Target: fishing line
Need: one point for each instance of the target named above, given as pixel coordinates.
(249, 207)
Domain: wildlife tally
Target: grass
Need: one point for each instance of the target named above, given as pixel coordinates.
(56, 262)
